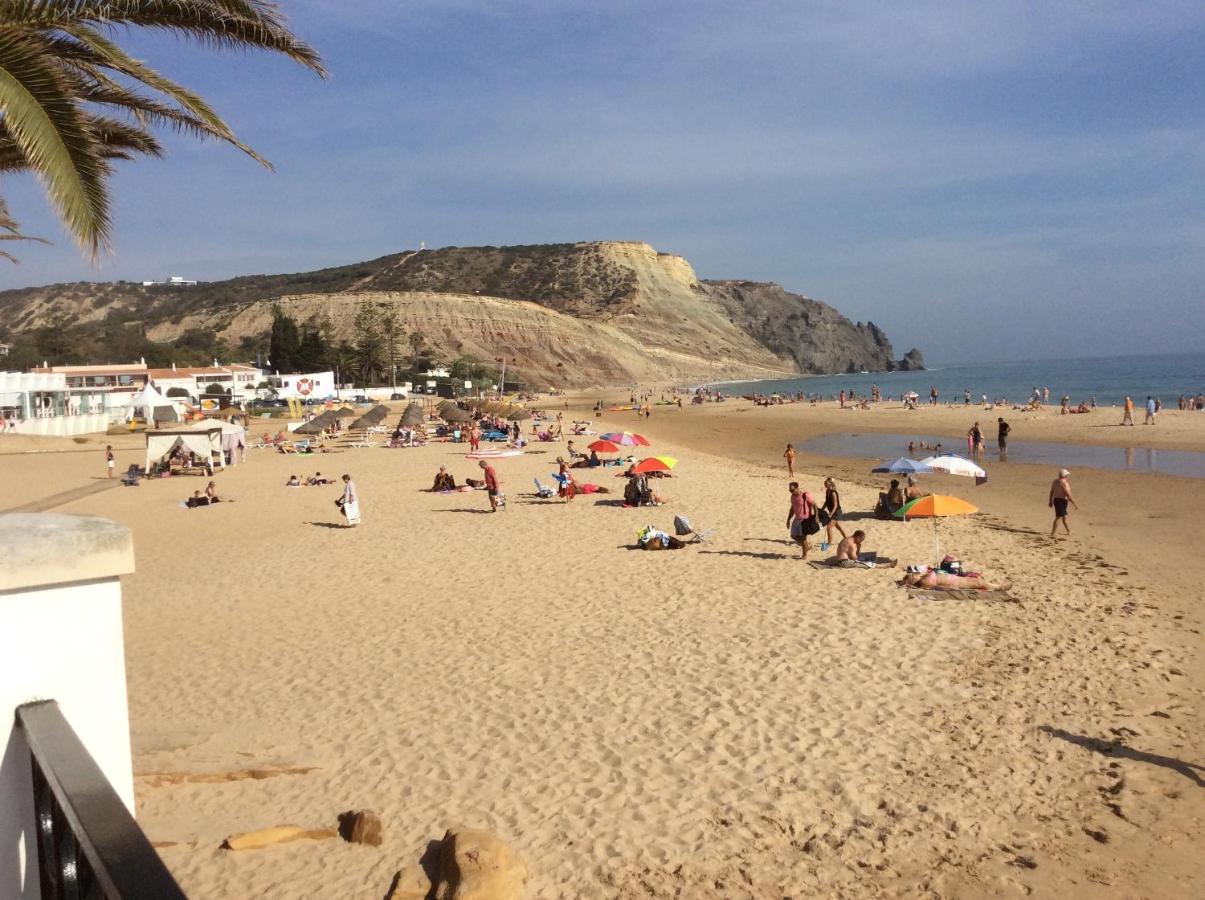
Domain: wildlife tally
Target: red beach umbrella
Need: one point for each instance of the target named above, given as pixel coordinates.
(601, 446)
(655, 464)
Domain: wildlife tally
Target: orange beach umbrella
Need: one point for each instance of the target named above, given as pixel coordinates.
(936, 506)
(655, 464)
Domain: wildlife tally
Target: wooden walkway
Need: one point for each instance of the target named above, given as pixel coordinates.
(60, 499)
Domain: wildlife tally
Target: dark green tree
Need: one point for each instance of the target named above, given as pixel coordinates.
(284, 343)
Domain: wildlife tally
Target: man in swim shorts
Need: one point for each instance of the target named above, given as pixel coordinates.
(1060, 496)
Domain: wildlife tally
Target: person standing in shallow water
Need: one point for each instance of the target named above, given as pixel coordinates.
(789, 456)
(1060, 497)
(1002, 430)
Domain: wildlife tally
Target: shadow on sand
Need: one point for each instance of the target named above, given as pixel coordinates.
(1118, 750)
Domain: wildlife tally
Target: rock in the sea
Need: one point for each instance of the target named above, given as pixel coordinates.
(913, 361)
(361, 826)
(478, 865)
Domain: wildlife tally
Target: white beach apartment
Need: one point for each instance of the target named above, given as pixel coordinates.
(43, 403)
(240, 380)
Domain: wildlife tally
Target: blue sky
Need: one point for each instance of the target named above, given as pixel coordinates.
(983, 180)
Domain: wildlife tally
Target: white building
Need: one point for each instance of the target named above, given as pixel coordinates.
(172, 281)
(240, 380)
(307, 386)
(42, 403)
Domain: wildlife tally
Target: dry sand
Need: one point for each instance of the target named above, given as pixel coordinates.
(722, 721)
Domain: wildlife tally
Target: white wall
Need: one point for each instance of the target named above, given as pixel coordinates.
(60, 639)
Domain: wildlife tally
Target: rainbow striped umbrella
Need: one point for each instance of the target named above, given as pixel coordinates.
(626, 439)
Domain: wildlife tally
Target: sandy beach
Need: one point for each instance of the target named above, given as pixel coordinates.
(720, 721)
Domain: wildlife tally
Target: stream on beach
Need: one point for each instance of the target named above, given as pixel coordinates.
(879, 446)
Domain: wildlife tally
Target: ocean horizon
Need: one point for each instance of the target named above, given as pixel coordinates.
(1107, 379)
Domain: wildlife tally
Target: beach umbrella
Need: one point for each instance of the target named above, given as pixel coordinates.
(378, 413)
(601, 446)
(904, 466)
(413, 415)
(935, 506)
(655, 464)
(626, 439)
(343, 412)
(952, 464)
(518, 415)
(454, 415)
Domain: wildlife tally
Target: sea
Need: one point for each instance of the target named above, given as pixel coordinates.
(1108, 379)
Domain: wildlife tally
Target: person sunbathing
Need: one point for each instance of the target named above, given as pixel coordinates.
(293, 481)
(211, 493)
(913, 492)
(443, 480)
(889, 501)
(850, 546)
(937, 580)
(197, 499)
(317, 479)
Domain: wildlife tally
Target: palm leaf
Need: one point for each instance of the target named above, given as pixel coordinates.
(46, 124)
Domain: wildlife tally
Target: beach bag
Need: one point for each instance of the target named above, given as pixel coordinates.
(811, 524)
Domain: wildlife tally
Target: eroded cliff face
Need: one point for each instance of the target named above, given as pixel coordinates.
(565, 314)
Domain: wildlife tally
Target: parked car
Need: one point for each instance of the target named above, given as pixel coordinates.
(397, 396)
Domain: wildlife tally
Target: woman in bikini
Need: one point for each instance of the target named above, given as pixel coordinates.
(937, 580)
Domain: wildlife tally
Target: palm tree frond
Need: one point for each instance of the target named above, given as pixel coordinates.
(45, 122)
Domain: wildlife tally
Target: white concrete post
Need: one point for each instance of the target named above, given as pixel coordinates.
(60, 639)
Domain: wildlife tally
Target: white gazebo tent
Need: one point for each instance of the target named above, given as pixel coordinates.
(156, 406)
(234, 437)
(204, 442)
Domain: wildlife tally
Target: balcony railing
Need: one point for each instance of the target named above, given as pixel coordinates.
(89, 846)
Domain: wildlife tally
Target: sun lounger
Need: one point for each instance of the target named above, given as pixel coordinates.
(543, 491)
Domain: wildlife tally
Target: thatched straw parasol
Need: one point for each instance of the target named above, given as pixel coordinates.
(378, 413)
(413, 415)
(343, 412)
(456, 415)
(316, 425)
(518, 414)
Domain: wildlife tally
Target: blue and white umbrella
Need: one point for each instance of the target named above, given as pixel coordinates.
(904, 466)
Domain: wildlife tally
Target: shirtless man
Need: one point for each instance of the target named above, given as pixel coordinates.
(789, 456)
(849, 547)
(1127, 417)
(1060, 496)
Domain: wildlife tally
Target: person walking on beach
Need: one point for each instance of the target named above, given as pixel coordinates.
(933, 395)
(1151, 409)
(1127, 417)
(349, 502)
(1060, 496)
(789, 456)
(474, 438)
(1002, 430)
(801, 518)
(110, 461)
(830, 513)
(491, 484)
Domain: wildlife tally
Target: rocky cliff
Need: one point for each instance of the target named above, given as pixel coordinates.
(565, 314)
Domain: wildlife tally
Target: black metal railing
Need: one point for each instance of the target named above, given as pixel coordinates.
(89, 846)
